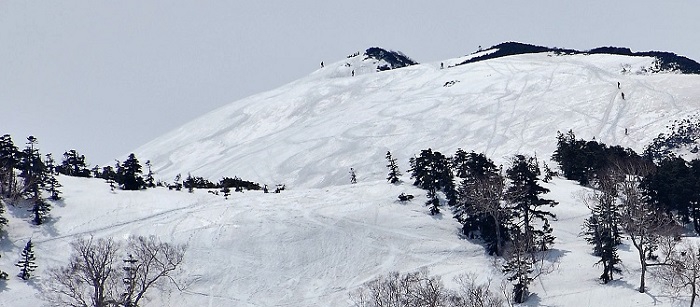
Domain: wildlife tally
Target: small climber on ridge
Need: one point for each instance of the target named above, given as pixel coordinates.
(618, 84)
(353, 74)
(623, 95)
(322, 66)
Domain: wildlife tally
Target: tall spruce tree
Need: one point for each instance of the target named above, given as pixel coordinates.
(51, 184)
(524, 192)
(394, 172)
(150, 181)
(34, 172)
(432, 172)
(9, 159)
(27, 261)
(602, 228)
(129, 174)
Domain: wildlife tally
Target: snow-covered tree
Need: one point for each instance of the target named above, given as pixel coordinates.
(27, 262)
(394, 172)
(525, 194)
(129, 174)
(602, 228)
(73, 164)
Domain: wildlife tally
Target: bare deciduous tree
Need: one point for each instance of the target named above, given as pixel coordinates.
(420, 290)
(473, 294)
(642, 221)
(89, 279)
(93, 277)
(683, 272)
(155, 261)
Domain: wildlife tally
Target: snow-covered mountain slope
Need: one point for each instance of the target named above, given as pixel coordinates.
(305, 247)
(310, 132)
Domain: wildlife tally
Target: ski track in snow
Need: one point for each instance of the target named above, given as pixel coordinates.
(322, 238)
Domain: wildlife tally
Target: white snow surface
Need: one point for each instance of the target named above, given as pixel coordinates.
(322, 238)
(309, 133)
(305, 247)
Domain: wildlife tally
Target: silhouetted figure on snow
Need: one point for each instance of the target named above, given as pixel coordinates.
(442, 65)
(353, 72)
(353, 177)
(623, 95)
(321, 64)
(618, 84)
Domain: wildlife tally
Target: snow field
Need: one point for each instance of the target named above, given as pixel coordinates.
(307, 247)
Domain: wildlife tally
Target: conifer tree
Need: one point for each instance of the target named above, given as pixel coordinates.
(150, 181)
(9, 159)
(129, 174)
(481, 204)
(602, 229)
(518, 268)
(26, 262)
(73, 164)
(432, 172)
(524, 192)
(393, 169)
(189, 183)
(34, 172)
(51, 183)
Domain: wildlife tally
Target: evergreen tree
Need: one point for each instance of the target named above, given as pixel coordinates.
(189, 183)
(108, 172)
(459, 163)
(34, 172)
(393, 169)
(227, 191)
(9, 159)
(51, 183)
(95, 170)
(674, 188)
(524, 192)
(432, 172)
(518, 268)
(73, 165)
(27, 261)
(480, 206)
(129, 174)
(150, 181)
(602, 228)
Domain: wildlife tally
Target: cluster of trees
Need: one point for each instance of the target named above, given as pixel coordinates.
(96, 275)
(506, 211)
(420, 289)
(649, 199)
(25, 175)
(640, 197)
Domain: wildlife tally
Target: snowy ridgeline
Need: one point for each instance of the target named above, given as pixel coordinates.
(307, 247)
(310, 132)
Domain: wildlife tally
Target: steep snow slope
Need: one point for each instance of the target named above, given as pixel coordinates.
(304, 247)
(310, 132)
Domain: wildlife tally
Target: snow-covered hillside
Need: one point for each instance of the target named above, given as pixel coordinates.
(305, 247)
(310, 132)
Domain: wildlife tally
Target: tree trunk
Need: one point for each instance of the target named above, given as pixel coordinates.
(693, 294)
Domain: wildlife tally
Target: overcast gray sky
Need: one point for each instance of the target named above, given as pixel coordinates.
(105, 77)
